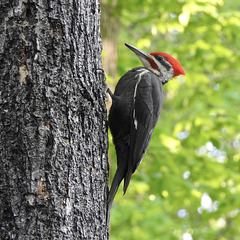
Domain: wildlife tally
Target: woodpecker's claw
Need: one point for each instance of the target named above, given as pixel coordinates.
(107, 91)
(106, 87)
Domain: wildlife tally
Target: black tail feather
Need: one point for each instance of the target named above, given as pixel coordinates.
(127, 181)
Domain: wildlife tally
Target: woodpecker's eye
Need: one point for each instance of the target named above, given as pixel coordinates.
(163, 62)
(159, 58)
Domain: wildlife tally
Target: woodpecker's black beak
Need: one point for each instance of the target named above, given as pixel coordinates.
(141, 54)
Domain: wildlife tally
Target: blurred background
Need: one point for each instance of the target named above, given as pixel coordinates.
(188, 185)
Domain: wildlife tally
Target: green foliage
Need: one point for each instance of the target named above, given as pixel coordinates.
(189, 180)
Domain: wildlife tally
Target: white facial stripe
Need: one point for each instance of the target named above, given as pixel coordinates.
(164, 74)
(145, 63)
(167, 73)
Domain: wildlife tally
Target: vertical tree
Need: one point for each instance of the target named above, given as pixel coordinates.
(53, 144)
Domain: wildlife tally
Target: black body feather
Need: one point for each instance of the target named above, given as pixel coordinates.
(135, 110)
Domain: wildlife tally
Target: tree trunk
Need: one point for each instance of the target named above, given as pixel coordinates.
(53, 144)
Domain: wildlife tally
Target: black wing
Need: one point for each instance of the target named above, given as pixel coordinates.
(148, 100)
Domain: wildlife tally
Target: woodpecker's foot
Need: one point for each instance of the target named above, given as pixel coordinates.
(107, 91)
(106, 87)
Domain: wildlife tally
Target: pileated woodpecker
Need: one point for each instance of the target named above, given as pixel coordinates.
(136, 105)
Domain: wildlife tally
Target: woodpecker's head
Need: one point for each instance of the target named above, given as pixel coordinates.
(162, 64)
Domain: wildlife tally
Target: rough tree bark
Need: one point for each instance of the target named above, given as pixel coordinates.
(53, 134)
